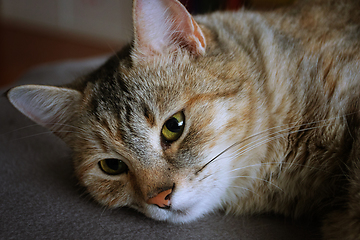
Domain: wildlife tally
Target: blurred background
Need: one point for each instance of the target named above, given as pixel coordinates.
(34, 32)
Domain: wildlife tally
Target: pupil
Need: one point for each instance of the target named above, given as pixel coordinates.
(173, 125)
(114, 164)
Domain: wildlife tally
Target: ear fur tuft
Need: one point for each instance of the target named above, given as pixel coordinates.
(164, 26)
(51, 107)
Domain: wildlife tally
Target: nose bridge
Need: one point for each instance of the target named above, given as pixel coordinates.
(154, 180)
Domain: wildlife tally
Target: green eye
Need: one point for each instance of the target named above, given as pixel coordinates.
(174, 127)
(113, 166)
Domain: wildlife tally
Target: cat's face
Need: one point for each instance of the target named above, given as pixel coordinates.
(155, 128)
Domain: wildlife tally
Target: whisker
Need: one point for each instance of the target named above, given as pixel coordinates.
(30, 136)
(245, 188)
(300, 125)
(271, 139)
(20, 129)
(214, 158)
(36, 125)
(275, 136)
(264, 180)
(280, 162)
(44, 133)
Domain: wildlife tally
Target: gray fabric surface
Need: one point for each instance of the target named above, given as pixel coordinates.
(40, 198)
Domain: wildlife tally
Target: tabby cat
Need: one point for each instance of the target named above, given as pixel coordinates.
(246, 111)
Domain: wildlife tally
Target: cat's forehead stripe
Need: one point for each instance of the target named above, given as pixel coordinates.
(149, 116)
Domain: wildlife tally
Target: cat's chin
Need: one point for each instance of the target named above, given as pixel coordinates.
(187, 206)
(174, 215)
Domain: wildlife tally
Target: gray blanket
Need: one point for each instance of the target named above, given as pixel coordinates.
(40, 198)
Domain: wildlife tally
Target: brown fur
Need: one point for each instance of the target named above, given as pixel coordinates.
(271, 116)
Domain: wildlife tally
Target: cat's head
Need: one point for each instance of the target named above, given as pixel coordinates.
(151, 129)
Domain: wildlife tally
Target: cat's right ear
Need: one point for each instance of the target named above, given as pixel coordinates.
(51, 107)
(163, 26)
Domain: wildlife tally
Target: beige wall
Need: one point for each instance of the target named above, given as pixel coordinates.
(100, 19)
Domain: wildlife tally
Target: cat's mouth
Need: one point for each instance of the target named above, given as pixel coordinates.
(172, 213)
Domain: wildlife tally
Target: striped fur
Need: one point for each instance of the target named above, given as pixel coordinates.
(271, 118)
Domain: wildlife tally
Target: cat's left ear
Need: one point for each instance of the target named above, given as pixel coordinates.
(163, 26)
(51, 107)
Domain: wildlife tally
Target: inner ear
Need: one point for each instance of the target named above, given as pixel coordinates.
(163, 26)
(51, 107)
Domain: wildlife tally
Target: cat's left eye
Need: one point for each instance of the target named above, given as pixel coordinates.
(173, 127)
(113, 166)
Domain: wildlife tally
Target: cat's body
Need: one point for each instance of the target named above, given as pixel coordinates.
(266, 109)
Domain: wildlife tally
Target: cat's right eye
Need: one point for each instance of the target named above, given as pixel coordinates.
(173, 127)
(113, 166)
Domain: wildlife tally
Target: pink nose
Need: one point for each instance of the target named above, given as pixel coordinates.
(162, 200)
